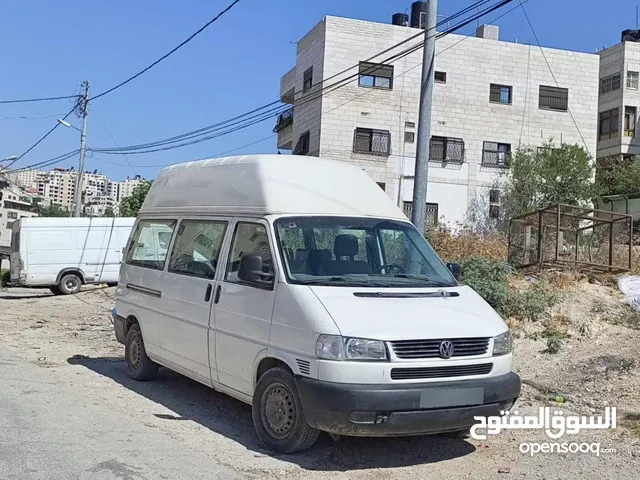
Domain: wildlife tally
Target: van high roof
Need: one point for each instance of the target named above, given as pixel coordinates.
(268, 184)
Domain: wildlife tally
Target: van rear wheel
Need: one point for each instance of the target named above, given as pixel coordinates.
(277, 413)
(70, 284)
(139, 365)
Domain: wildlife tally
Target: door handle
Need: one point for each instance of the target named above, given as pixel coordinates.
(207, 295)
(217, 297)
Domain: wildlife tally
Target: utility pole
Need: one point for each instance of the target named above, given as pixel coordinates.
(424, 118)
(83, 106)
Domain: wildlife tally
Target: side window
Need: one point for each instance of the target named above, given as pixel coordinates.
(250, 239)
(147, 249)
(197, 248)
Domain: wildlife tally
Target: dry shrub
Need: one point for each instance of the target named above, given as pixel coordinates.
(462, 244)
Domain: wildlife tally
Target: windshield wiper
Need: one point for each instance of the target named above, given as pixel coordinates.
(346, 282)
(435, 283)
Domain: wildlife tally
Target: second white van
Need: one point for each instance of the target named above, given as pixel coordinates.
(296, 285)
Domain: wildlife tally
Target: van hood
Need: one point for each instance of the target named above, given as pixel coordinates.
(393, 318)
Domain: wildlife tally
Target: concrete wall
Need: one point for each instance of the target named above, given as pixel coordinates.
(461, 106)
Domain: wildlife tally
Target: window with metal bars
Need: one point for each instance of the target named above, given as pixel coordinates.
(553, 98)
(367, 140)
(302, 147)
(500, 93)
(610, 83)
(496, 154)
(446, 149)
(609, 124)
(494, 203)
(431, 212)
(375, 75)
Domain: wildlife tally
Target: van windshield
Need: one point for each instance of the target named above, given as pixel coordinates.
(356, 251)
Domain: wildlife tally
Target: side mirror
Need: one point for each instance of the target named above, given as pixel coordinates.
(456, 270)
(250, 270)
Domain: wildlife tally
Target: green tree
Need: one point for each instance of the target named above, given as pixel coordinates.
(52, 210)
(131, 205)
(108, 212)
(545, 176)
(616, 176)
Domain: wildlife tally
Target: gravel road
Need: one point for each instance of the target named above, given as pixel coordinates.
(69, 411)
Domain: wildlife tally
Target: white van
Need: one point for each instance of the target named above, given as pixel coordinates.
(66, 253)
(296, 285)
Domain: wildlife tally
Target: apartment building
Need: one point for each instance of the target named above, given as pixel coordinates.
(490, 96)
(128, 185)
(15, 203)
(619, 104)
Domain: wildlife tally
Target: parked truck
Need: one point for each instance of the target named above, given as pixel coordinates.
(63, 254)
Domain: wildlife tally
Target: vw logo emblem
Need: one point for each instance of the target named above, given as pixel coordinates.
(446, 349)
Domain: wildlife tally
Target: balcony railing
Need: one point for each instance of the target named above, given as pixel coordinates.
(284, 120)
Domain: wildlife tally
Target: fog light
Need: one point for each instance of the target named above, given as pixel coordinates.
(381, 419)
(363, 417)
(506, 406)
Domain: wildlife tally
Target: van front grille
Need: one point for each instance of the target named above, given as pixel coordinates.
(462, 347)
(440, 372)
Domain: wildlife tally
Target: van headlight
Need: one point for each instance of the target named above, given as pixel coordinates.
(502, 344)
(335, 347)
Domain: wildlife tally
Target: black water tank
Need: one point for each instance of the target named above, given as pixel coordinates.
(630, 36)
(418, 14)
(401, 19)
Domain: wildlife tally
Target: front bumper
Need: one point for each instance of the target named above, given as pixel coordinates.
(118, 326)
(404, 409)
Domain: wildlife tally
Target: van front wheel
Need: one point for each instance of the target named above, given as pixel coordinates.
(139, 365)
(277, 413)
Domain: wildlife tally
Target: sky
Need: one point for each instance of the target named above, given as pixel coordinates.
(50, 46)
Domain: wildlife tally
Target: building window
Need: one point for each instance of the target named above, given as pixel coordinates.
(376, 75)
(496, 154)
(609, 124)
(554, 98)
(494, 203)
(431, 213)
(446, 149)
(441, 77)
(307, 79)
(409, 137)
(500, 93)
(610, 83)
(367, 140)
(632, 80)
(409, 125)
(630, 120)
(302, 147)
(12, 215)
(382, 185)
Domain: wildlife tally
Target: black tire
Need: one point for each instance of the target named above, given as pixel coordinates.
(139, 365)
(55, 290)
(278, 416)
(70, 284)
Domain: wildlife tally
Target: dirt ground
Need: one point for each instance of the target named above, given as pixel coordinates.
(597, 365)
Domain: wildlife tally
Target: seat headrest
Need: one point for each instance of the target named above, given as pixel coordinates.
(345, 245)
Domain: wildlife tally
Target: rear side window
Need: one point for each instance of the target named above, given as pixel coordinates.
(197, 248)
(150, 244)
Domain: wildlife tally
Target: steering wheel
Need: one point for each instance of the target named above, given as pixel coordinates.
(400, 268)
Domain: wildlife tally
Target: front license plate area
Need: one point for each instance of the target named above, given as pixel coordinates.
(452, 397)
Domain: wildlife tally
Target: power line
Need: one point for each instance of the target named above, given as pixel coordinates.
(41, 138)
(552, 74)
(172, 51)
(33, 100)
(260, 114)
(113, 140)
(22, 117)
